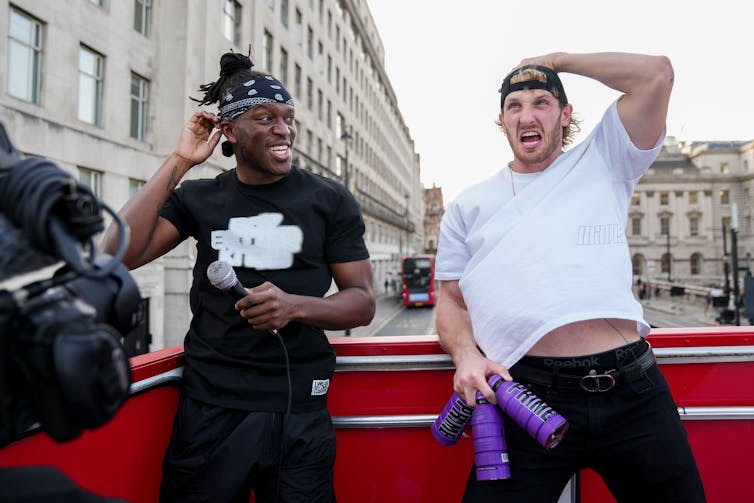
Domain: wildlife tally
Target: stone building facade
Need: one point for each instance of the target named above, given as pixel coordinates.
(102, 87)
(434, 207)
(683, 209)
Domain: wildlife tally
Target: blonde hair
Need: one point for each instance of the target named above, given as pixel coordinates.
(528, 74)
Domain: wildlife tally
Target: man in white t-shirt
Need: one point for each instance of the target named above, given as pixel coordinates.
(536, 286)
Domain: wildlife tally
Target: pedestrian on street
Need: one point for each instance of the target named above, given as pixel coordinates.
(547, 234)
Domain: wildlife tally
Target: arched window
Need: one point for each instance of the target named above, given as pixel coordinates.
(696, 264)
(638, 264)
(666, 259)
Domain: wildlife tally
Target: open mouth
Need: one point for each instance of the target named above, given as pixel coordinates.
(280, 152)
(530, 138)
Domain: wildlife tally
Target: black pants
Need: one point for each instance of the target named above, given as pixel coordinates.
(219, 455)
(631, 435)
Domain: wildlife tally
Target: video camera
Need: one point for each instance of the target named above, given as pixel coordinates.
(62, 364)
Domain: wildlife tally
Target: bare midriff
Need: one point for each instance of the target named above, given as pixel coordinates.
(586, 337)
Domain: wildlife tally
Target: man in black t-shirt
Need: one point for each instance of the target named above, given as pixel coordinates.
(253, 408)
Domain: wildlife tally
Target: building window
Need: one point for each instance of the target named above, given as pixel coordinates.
(309, 94)
(637, 263)
(297, 80)
(320, 105)
(142, 16)
(664, 226)
(724, 196)
(696, 264)
(90, 85)
(267, 51)
(232, 20)
(98, 2)
(665, 262)
(92, 179)
(133, 186)
(664, 197)
(283, 66)
(340, 124)
(139, 106)
(694, 226)
(310, 42)
(636, 199)
(320, 57)
(298, 29)
(24, 56)
(693, 197)
(284, 12)
(636, 226)
(339, 163)
(724, 168)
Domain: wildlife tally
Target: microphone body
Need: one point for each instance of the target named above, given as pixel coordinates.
(222, 276)
(237, 291)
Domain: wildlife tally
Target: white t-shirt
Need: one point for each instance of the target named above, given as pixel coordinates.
(554, 254)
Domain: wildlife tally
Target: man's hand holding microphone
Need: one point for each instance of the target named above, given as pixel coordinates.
(266, 307)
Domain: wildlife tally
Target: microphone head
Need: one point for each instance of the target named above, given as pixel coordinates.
(221, 275)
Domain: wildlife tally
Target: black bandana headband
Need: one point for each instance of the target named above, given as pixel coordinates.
(553, 84)
(259, 90)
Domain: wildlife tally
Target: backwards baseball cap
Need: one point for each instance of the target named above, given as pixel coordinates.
(552, 84)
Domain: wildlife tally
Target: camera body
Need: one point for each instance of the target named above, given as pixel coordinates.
(62, 363)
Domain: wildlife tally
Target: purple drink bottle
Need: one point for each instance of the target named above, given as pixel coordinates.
(528, 410)
(451, 422)
(490, 449)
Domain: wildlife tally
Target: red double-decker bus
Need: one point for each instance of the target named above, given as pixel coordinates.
(418, 282)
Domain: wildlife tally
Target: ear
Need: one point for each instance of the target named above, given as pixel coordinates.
(229, 131)
(501, 123)
(566, 115)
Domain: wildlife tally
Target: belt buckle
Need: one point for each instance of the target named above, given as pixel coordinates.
(597, 383)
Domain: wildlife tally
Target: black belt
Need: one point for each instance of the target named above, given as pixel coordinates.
(594, 381)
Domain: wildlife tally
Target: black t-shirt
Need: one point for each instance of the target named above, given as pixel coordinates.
(287, 233)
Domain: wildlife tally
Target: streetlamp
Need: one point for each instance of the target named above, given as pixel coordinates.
(668, 252)
(734, 260)
(726, 270)
(405, 214)
(346, 137)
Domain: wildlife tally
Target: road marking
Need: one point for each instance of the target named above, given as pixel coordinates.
(387, 320)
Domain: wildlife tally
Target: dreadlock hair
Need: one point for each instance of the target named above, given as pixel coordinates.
(235, 68)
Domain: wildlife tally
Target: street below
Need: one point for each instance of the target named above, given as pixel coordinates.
(392, 318)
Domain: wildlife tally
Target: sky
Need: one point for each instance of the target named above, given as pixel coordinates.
(446, 60)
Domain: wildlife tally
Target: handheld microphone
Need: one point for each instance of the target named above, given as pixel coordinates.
(222, 276)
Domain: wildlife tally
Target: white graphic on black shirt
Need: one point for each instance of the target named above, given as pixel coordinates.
(258, 242)
(320, 386)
